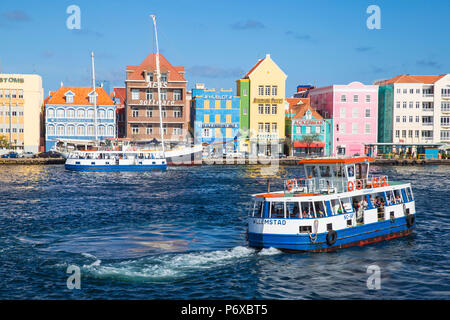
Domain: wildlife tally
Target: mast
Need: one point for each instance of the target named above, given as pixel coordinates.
(158, 79)
(95, 97)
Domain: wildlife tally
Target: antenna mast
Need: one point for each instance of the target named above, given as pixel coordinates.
(95, 97)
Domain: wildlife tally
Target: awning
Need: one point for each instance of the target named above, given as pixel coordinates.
(301, 144)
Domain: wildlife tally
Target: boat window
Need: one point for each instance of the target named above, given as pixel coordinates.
(307, 210)
(378, 199)
(398, 196)
(390, 198)
(325, 171)
(257, 209)
(320, 209)
(409, 194)
(292, 210)
(370, 202)
(277, 210)
(351, 171)
(338, 171)
(336, 206)
(346, 204)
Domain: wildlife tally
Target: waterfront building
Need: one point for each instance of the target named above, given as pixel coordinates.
(353, 110)
(21, 101)
(215, 119)
(119, 97)
(309, 133)
(262, 92)
(303, 91)
(70, 116)
(414, 109)
(142, 109)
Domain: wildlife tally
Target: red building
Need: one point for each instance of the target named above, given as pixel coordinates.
(119, 95)
(142, 110)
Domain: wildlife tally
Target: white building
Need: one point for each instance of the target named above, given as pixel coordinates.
(414, 109)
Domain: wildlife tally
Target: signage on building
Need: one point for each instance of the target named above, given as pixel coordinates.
(218, 96)
(267, 136)
(307, 122)
(12, 80)
(267, 100)
(155, 102)
(219, 125)
(155, 84)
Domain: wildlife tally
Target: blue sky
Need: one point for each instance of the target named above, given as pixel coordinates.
(314, 42)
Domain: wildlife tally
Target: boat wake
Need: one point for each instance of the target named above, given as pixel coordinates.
(170, 267)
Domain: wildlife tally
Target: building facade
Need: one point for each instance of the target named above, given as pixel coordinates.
(142, 108)
(21, 102)
(70, 115)
(310, 134)
(353, 110)
(262, 92)
(215, 119)
(119, 97)
(414, 109)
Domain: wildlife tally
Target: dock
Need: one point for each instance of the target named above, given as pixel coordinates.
(31, 161)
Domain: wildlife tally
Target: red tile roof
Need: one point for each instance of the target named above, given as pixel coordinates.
(295, 105)
(406, 78)
(120, 93)
(81, 96)
(301, 113)
(254, 67)
(173, 73)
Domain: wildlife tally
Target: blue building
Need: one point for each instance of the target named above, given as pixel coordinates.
(69, 115)
(215, 120)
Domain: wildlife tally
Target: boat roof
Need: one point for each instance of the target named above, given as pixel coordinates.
(336, 160)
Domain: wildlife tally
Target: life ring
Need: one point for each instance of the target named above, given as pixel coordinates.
(359, 184)
(383, 181)
(331, 237)
(289, 185)
(410, 219)
(350, 186)
(375, 183)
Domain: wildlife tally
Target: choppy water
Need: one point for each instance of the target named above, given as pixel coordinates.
(180, 234)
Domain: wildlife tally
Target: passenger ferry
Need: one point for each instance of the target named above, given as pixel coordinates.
(115, 161)
(338, 204)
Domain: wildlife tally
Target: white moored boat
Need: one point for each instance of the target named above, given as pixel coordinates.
(338, 204)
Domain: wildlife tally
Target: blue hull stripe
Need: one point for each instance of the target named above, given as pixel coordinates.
(344, 237)
(116, 167)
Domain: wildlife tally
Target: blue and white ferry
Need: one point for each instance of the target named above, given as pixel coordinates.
(338, 204)
(137, 160)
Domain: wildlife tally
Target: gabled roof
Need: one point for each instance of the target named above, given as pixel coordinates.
(81, 96)
(120, 93)
(406, 78)
(254, 68)
(301, 113)
(173, 73)
(295, 104)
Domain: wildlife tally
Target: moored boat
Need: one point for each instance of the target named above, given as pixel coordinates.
(337, 204)
(115, 161)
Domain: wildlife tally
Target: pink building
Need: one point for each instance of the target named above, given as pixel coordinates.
(353, 109)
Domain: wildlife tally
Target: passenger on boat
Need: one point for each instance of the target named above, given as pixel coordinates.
(364, 203)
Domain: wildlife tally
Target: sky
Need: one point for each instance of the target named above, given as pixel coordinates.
(313, 42)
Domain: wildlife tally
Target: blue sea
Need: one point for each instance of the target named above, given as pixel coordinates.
(181, 234)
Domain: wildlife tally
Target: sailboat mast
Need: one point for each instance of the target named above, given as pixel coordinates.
(158, 79)
(95, 97)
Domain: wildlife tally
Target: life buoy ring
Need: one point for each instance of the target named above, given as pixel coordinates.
(359, 184)
(383, 181)
(375, 183)
(350, 186)
(289, 185)
(410, 219)
(331, 237)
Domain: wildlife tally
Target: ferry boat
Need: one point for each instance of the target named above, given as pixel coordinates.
(115, 161)
(336, 205)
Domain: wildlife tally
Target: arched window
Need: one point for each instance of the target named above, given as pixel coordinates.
(71, 113)
(101, 114)
(110, 130)
(80, 114)
(71, 130)
(51, 130)
(101, 130)
(90, 114)
(60, 130)
(110, 114)
(51, 113)
(60, 113)
(91, 130)
(80, 131)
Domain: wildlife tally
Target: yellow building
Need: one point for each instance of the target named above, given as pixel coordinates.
(21, 100)
(262, 92)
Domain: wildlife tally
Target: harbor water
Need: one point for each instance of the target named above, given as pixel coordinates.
(181, 234)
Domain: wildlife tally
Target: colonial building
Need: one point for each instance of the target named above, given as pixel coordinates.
(309, 133)
(21, 102)
(142, 110)
(70, 115)
(262, 92)
(353, 109)
(414, 109)
(215, 119)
